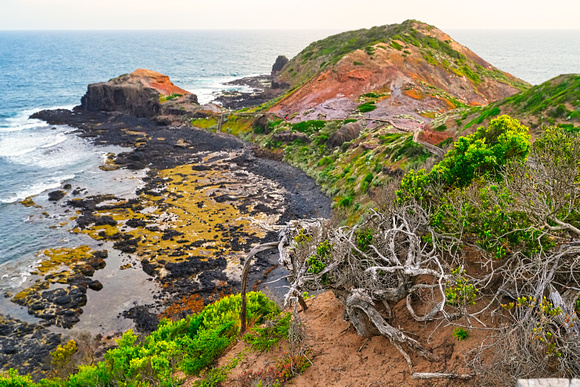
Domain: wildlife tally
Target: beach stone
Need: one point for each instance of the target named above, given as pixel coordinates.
(55, 196)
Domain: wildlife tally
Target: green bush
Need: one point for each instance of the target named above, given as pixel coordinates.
(460, 334)
(309, 127)
(481, 154)
(191, 345)
(396, 45)
(13, 379)
(264, 338)
(366, 107)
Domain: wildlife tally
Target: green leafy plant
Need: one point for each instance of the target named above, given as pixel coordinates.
(366, 107)
(164, 98)
(318, 261)
(460, 292)
(263, 338)
(460, 334)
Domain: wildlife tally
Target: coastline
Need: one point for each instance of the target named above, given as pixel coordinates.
(292, 195)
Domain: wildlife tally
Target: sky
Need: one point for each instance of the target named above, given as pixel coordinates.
(285, 14)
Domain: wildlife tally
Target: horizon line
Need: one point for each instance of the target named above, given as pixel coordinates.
(265, 29)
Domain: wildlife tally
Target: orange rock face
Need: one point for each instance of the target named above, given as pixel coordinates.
(158, 81)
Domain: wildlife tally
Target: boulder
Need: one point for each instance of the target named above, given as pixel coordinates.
(55, 196)
(347, 132)
(279, 65)
(137, 94)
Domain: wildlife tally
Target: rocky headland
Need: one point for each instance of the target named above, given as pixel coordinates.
(207, 199)
(355, 112)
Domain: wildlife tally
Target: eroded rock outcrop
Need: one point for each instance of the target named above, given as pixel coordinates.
(141, 94)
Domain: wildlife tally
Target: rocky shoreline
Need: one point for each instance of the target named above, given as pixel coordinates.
(192, 266)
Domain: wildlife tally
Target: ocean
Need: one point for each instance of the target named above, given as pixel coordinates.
(40, 70)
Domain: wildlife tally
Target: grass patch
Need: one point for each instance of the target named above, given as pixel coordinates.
(366, 107)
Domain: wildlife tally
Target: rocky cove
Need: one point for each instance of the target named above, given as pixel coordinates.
(206, 199)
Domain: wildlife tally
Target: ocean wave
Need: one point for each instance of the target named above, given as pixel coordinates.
(14, 144)
(19, 121)
(60, 138)
(35, 189)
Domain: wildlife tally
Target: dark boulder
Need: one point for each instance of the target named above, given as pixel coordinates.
(55, 196)
(278, 65)
(288, 136)
(347, 132)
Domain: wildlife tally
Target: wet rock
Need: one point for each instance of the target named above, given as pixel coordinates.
(55, 196)
(96, 285)
(145, 321)
(135, 223)
(26, 347)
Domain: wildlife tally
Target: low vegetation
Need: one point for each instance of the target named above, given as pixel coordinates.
(189, 345)
(491, 230)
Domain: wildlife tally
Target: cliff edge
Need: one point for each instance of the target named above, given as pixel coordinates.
(141, 94)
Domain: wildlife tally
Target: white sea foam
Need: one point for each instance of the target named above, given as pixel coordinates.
(35, 189)
(21, 121)
(207, 90)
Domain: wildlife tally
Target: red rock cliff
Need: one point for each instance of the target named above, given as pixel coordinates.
(137, 94)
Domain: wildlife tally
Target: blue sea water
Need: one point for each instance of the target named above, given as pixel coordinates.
(40, 70)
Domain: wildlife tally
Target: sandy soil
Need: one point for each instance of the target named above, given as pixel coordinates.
(342, 358)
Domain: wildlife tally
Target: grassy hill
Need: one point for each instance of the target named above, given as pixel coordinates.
(554, 102)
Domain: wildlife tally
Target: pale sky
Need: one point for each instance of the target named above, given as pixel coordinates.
(286, 14)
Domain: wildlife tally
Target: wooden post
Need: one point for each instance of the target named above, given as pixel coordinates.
(302, 303)
(245, 272)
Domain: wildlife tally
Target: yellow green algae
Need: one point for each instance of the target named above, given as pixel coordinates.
(28, 202)
(201, 208)
(62, 263)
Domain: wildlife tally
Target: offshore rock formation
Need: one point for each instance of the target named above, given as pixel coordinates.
(141, 94)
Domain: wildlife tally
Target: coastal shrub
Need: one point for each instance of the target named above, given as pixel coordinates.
(460, 334)
(357, 63)
(368, 95)
(308, 127)
(441, 128)
(366, 107)
(470, 74)
(12, 378)
(482, 154)
(263, 338)
(370, 50)
(190, 344)
(164, 98)
(366, 182)
(396, 45)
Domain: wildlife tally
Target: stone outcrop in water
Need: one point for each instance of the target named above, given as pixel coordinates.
(141, 94)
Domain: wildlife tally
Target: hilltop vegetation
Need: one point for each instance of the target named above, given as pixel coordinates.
(412, 64)
(554, 102)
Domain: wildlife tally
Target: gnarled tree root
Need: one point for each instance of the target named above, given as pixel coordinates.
(368, 322)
